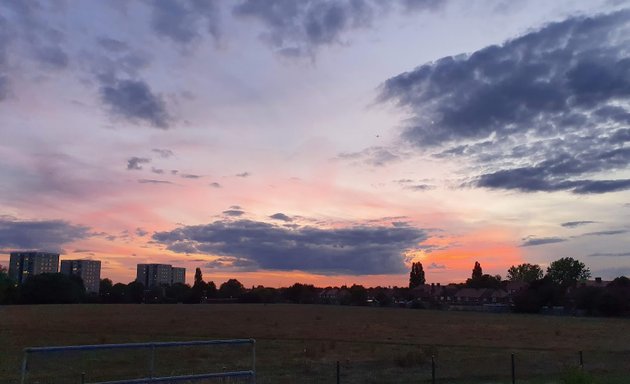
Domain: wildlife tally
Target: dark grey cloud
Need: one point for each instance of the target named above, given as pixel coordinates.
(44, 235)
(547, 111)
(4, 87)
(436, 266)
(358, 250)
(141, 232)
(233, 212)
(135, 163)
(190, 176)
(243, 174)
(611, 232)
(215, 185)
(280, 216)
(159, 171)
(376, 156)
(185, 20)
(164, 153)
(415, 5)
(136, 102)
(232, 264)
(24, 35)
(112, 45)
(533, 241)
(152, 181)
(619, 254)
(52, 57)
(299, 28)
(573, 224)
(420, 187)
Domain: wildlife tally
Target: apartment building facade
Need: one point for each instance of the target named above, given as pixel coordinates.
(22, 265)
(155, 275)
(88, 270)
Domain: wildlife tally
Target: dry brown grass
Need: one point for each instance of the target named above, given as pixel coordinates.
(301, 343)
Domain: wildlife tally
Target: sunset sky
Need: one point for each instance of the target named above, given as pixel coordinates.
(324, 142)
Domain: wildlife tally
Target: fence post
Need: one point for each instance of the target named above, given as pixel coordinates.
(513, 371)
(83, 378)
(338, 373)
(152, 362)
(432, 369)
(24, 367)
(581, 360)
(254, 361)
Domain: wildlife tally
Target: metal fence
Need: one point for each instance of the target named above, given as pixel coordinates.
(150, 349)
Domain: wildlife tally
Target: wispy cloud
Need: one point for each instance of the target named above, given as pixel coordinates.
(533, 241)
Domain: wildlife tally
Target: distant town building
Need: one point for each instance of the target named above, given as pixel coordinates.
(155, 275)
(178, 275)
(88, 270)
(22, 265)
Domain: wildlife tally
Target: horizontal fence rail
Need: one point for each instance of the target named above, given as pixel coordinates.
(174, 379)
(152, 346)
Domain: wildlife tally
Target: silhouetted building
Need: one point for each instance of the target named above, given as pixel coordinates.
(88, 270)
(155, 275)
(178, 275)
(25, 264)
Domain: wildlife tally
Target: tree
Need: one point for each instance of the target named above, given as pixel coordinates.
(105, 290)
(477, 272)
(301, 293)
(52, 288)
(358, 295)
(231, 289)
(484, 281)
(539, 293)
(525, 272)
(211, 289)
(198, 277)
(179, 293)
(199, 288)
(7, 287)
(134, 292)
(566, 272)
(416, 276)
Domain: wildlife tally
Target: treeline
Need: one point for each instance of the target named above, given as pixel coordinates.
(564, 286)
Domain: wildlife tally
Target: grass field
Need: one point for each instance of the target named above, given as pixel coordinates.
(301, 343)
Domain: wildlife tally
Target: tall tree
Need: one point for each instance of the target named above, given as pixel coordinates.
(198, 277)
(477, 272)
(567, 271)
(198, 292)
(525, 272)
(416, 276)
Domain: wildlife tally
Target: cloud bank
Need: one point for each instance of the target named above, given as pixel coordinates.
(547, 111)
(45, 235)
(356, 251)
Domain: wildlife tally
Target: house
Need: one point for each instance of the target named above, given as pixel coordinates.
(597, 283)
(472, 296)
